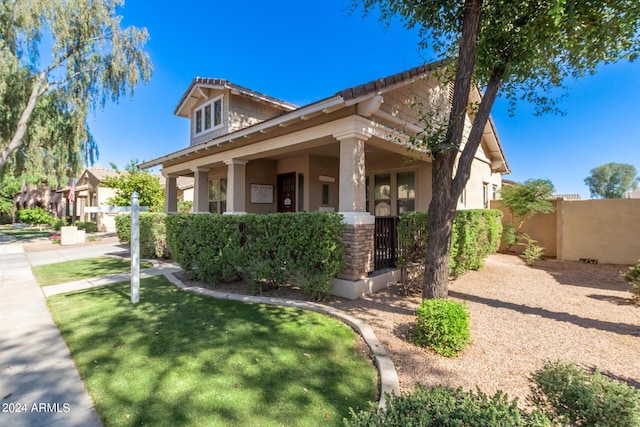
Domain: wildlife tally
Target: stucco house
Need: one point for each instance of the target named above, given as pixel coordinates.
(89, 192)
(251, 153)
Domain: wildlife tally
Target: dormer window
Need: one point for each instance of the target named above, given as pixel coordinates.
(209, 116)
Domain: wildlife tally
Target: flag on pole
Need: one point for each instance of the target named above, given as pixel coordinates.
(72, 191)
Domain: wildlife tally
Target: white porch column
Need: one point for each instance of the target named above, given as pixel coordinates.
(235, 186)
(200, 190)
(171, 194)
(352, 195)
(360, 225)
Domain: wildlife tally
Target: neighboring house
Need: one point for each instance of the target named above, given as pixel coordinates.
(251, 153)
(90, 193)
(635, 194)
(42, 196)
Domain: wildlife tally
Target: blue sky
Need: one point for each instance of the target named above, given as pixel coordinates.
(302, 52)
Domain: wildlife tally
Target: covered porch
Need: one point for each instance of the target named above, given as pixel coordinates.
(352, 165)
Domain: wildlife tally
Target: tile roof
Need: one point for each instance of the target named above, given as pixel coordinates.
(385, 82)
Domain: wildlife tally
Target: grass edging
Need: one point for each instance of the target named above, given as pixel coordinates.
(389, 383)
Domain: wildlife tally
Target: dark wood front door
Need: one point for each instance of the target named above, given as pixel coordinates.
(287, 192)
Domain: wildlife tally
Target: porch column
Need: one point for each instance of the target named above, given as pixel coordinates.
(360, 225)
(171, 194)
(352, 173)
(200, 190)
(235, 186)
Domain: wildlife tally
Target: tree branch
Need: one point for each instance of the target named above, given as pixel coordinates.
(477, 130)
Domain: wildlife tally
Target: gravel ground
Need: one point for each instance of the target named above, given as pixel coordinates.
(520, 317)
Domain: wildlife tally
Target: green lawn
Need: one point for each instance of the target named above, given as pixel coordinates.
(70, 271)
(27, 233)
(178, 358)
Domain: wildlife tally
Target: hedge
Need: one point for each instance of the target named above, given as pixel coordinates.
(475, 234)
(266, 250)
(153, 235)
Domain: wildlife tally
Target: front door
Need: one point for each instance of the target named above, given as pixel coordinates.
(287, 192)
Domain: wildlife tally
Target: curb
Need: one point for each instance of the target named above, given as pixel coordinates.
(389, 383)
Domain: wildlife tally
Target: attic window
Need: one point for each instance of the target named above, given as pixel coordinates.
(208, 116)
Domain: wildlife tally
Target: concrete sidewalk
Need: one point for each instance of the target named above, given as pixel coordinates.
(39, 383)
(59, 253)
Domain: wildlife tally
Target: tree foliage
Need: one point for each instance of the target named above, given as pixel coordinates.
(612, 181)
(150, 191)
(527, 199)
(522, 49)
(59, 60)
(9, 186)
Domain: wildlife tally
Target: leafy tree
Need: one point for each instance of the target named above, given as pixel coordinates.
(612, 181)
(527, 199)
(523, 49)
(9, 186)
(46, 100)
(150, 191)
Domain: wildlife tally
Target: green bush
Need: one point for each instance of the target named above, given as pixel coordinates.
(443, 326)
(153, 236)
(476, 233)
(267, 250)
(89, 227)
(35, 216)
(58, 223)
(447, 407)
(632, 276)
(572, 396)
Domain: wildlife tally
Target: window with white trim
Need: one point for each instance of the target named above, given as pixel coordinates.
(208, 116)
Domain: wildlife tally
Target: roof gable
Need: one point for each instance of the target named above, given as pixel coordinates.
(194, 93)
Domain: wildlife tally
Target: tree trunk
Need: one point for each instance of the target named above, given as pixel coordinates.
(441, 214)
(38, 89)
(444, 194)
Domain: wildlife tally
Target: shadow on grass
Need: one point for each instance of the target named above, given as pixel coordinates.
(617, 328)
(182, 359)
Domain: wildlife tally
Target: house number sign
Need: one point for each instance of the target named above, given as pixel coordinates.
(261, 193)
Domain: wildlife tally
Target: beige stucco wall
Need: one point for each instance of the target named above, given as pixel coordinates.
(262, 172)
(402, 103)
(606, 230)
(328, 167)
(542, 227)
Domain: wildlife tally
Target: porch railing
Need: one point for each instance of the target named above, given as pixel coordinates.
(385, 238)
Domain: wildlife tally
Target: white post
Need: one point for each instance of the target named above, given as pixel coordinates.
(135, 248)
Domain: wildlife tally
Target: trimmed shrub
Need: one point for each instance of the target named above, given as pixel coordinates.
(305, 249)
(153, 235)
(35, 216)
(447, 407)
(58, 223)
(89, 227)
(572, 396)
(476, 233)
(443, 326)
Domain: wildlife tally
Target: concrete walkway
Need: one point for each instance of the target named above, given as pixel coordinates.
(39, 383)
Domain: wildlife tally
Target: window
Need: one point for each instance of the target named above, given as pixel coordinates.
(485, 195)
(325, 194)
(494, 195)
(209, 116)
(382, 194)
(463, 197)
(406, 191)
(218, 195)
